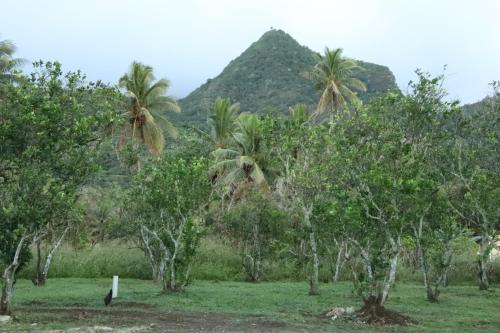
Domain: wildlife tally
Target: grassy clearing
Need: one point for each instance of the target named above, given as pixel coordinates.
(78, 302)
(218, 260)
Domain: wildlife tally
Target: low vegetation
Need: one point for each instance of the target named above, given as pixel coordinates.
(242, 306)
(397, 194)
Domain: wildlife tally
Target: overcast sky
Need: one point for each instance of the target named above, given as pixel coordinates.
(189, 41)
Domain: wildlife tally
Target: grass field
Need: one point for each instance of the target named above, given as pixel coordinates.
(217, 259)
(240, 306)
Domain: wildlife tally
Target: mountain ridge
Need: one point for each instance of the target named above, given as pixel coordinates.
(268, 78)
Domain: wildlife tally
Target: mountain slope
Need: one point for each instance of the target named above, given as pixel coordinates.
(268, 77)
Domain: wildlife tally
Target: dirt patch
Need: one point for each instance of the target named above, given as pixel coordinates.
(373, 313)
(98, 329)
(37, 303)
(142, 319)
(133, 305)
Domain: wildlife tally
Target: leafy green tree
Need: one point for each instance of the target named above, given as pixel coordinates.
(223, 122)
(472, 174)
(372, 176)
(424, 115)
(334, 78)
(301, 187)
(256, 223)
(49, 145)
(435, 231)
(147, 104)
(247, 161)
(165, 209)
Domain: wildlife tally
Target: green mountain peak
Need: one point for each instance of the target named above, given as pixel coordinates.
(268, 78)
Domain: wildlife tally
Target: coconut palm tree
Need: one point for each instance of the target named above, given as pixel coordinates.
(223, 122)
(7, 62)
(147, 102)
(246, 162)
(333, 76)
(299, 114)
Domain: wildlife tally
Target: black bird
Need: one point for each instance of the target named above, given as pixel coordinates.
(108, 298)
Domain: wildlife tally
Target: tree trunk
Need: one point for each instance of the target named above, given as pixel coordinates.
(314, 270)
(372, 309)
(482, 275)
(156, 266)
(368, 264)
(391, 278)
(445, 282)
(257, 261)
(338, 262)
(443, 277)
(483, 264)
(186, 277)
(314, 277)
(417, 232)
(173, 281)
(432, 294)
(42, 275)
(5, 302)
(9, 278)
(172, 284)
(354, 275)
(38, 273)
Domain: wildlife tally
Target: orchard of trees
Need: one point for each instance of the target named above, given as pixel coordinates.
(345, 184)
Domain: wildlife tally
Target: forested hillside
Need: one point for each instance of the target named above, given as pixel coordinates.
(268, 78)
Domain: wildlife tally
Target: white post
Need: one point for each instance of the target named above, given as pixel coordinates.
(115, 286)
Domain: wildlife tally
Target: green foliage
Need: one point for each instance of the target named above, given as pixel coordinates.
(246, 162)
(257, 225)
(50, 129)
(147, 105)
(472, 176)
(223, 123)
(165, 211)
(7, 62)
(268, 78)
(333, 77)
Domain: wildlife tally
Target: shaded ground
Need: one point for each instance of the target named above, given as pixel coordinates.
(140, 317)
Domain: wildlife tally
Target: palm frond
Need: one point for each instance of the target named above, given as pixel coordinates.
(146, 101)
(257, 174)
(223, 154)
(356, 84)
(164, 103)
(333, 76)
(166, 125)
(152, 136)
(222, 122)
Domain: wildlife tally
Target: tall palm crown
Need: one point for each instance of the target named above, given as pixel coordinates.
(299, 114)
(333, 75)
(246, 162)
(7, 62)
(147, 102)
(223, 123)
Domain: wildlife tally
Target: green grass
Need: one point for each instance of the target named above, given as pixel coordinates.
(218, 260)
(462, 308)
